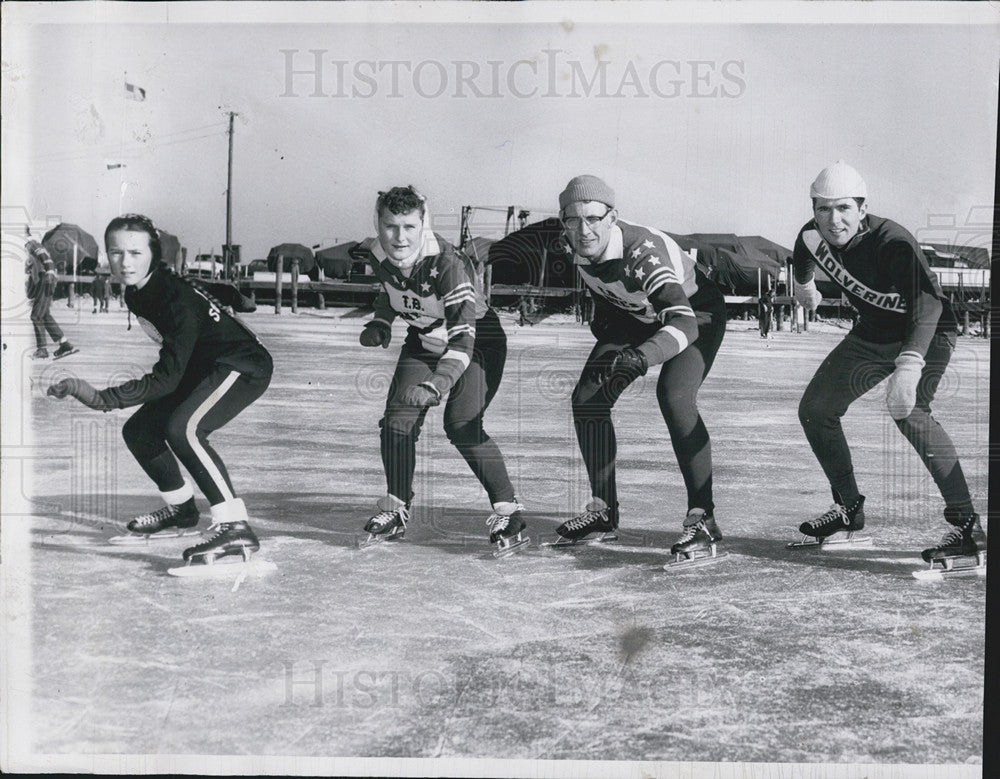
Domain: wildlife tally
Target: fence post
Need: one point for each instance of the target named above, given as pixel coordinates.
(280, 268)
(295, 285)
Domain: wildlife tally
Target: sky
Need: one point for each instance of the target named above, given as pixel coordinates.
(698, 127)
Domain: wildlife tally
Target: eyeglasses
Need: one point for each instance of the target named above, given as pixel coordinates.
(576, 222)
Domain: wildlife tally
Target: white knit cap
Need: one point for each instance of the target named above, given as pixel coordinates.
(837, 181)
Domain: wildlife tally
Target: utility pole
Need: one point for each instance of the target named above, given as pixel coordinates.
(228, 258)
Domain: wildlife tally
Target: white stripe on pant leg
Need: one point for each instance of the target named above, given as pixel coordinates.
(190, 432)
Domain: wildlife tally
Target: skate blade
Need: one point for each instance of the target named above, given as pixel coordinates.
(67, 354)
(142, 539)
(224, 570)
(939, 569)
(699, 561)
(560, 543)
(511, 548)
(832, 543)
(374, 540)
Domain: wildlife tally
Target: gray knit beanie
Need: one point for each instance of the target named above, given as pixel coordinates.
(586, 188)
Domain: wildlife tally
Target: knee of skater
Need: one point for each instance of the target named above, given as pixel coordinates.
(176, 435)
(133, 432)
(399, 426)
(810, 412)
(465, 433)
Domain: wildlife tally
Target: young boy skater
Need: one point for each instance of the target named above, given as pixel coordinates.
(454, 346)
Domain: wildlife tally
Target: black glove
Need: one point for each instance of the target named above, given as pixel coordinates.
(599, 326)
(376, 334)
(626, 366)
(79, 389)
(422, 395)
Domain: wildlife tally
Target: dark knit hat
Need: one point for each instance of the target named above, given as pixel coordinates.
(586, 188)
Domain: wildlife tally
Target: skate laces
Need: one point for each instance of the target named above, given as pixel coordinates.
(155, 517)
(836, 513)
(588, 517)
(383, 518)
(952, 537)
(498, 521)
(690, 531)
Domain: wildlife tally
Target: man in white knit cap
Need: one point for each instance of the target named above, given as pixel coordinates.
(906, 332)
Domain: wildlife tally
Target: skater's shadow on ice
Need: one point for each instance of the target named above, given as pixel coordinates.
(871, 559)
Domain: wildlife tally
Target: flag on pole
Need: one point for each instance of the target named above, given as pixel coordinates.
(132, 92)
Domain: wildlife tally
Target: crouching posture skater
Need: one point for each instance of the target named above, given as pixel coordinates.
(210, 368)
(653, 307)
(454, 346)
(906, 333)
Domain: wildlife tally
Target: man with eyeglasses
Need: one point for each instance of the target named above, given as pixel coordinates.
(653, 306)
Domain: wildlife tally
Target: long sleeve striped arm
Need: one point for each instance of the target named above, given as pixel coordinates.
(458, 294)
(660, 268)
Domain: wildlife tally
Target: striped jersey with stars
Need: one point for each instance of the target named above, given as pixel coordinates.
(440, 298)
(644, 274)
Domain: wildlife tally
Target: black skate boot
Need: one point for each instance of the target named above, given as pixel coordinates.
(171, 521)
(230, 538)
(962, 550)
(837, 527)
(597, 518)
(701, 534)
(389, 523)
(65, 350)
(506, 525)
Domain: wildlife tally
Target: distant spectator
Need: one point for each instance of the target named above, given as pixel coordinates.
(765, 310)
(100, 291)
(40, 285)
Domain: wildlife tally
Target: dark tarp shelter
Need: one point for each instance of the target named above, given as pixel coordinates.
(289, 251)
(536, 254)
(60, 242)
(170, 247)
(336, 261)
(478, 249)
(737, 261)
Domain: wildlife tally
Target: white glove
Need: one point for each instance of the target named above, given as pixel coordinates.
(807, 296)
(901, 395)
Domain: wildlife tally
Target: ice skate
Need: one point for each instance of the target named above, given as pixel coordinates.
(169, 522)
(506, 526)
(836, 529)
(40, 354)
(598, 524)
(962, 551)
(65, 350)
(228, 540)
(389, 524)
(698, 546)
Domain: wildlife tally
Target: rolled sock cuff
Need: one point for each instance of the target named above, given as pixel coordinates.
(182, 494)
(234, 510)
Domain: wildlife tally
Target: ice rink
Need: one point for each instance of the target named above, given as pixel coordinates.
(430, 648)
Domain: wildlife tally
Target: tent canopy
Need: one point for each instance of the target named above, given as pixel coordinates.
(170, 247)
(290, 251)
(478, 249)
(60, 242)
(536, 254)
(336, 261)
